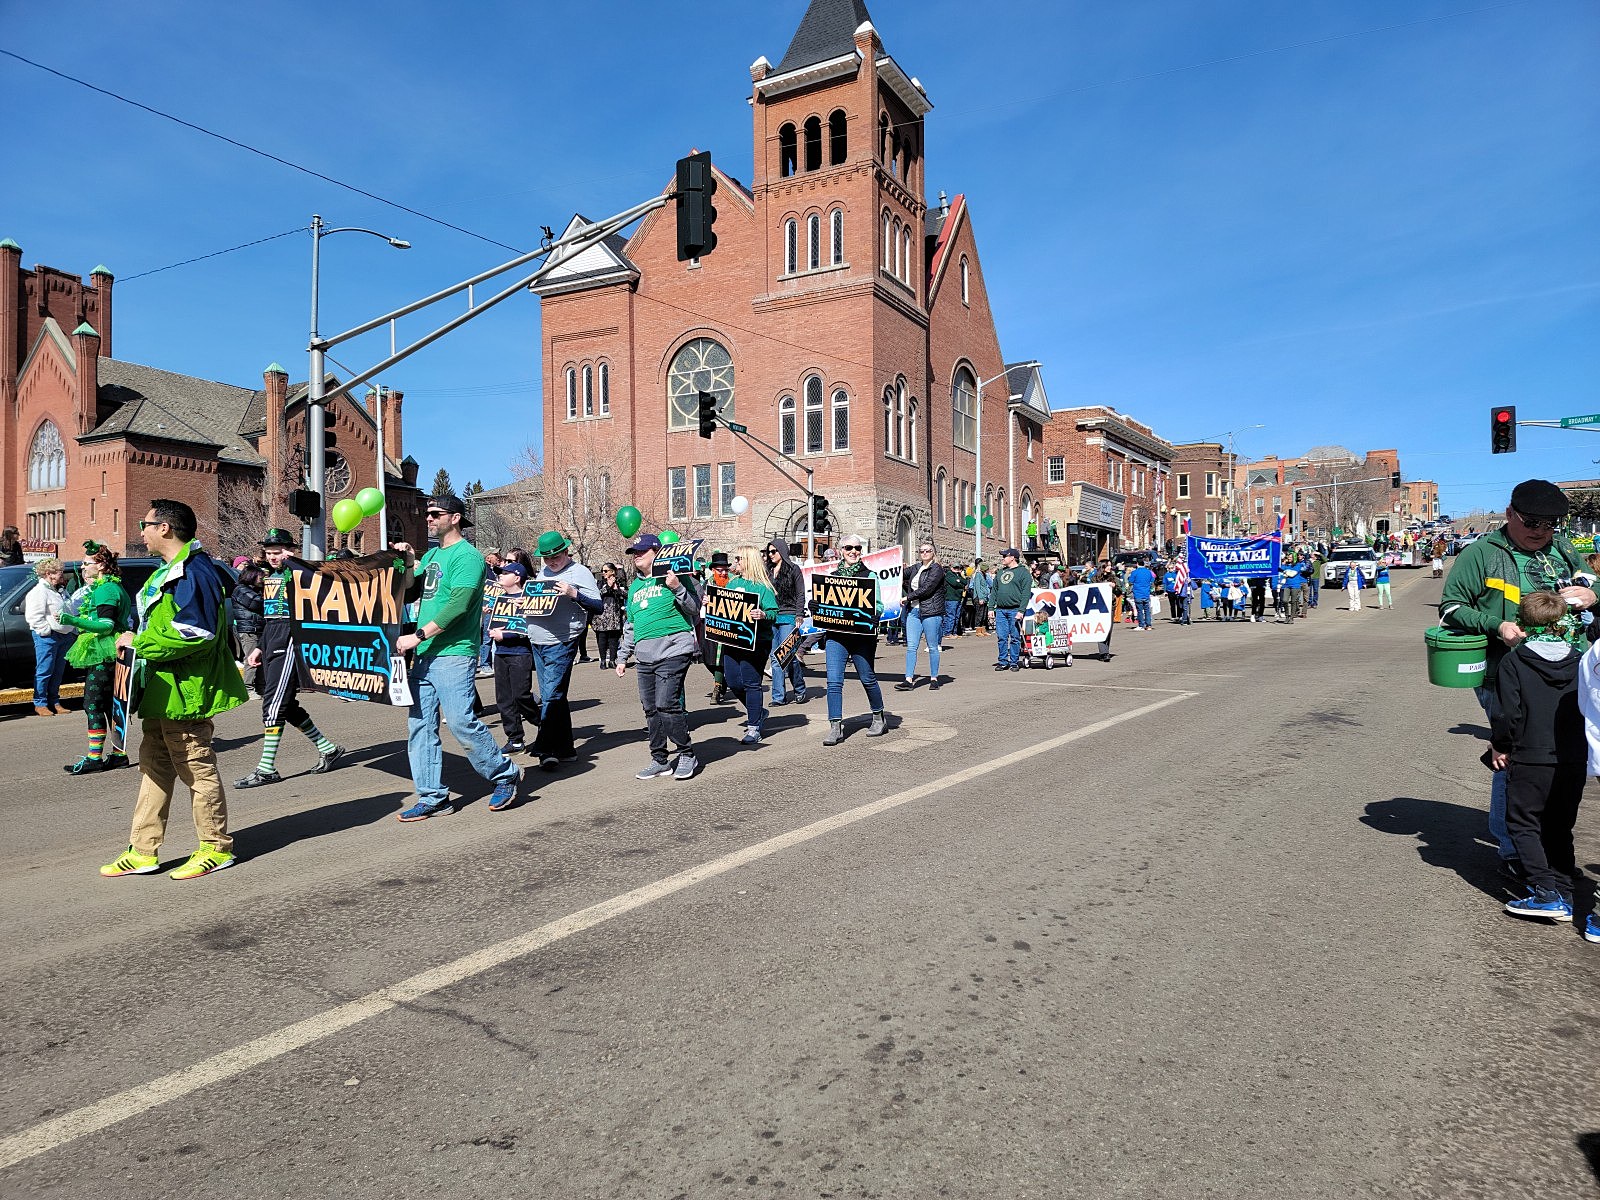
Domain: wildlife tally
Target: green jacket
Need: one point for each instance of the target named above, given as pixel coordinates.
(1485, 588)
(186, 668)
(101, 616)
(1013, 587)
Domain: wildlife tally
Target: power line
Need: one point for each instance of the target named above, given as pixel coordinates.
(349, 187)
(215, 254)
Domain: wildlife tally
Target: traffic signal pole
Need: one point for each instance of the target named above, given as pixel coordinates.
(756, 444)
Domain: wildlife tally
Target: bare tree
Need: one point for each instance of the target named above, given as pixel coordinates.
(241, 515)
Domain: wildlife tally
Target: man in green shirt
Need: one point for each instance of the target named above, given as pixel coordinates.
(1485, 590)
(449, 617)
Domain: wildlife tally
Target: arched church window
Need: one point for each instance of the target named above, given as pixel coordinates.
(837, 144)
(813, 143)
(47, 460)
(786, 151)
(702, 365)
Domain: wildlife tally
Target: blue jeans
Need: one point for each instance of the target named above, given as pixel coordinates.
(782, 627)
(1315, 585)
(49, 665)
(743, 677)
(486, 649)
(552, 666)
(952, 613)
(1141, 612)
(1008, 636)
(861, 653)
(1490, 700)
(445, 685)
(922, 629)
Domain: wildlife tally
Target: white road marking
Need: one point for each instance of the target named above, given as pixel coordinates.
(1109, 687)
(1204, 675)
(58, 1131)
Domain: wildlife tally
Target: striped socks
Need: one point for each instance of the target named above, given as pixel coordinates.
(318, 738)
(97, 743)
(269, 750)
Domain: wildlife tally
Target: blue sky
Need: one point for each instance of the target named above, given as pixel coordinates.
(1361, 222)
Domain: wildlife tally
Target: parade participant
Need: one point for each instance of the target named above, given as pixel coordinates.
(102, 614)
(716, 573)
(1292, 586)
(279, 677)
(1538, 739)
(248, 609)
(743, 669)
(555, 641)
(1141, 585)
(513, 666)
(955, 590)
(857, 650)
(1385, 595)
(449, 584)
(189, 678)
(1314, 564)
(1258, 599)
(923, 601)
(1354, 581)
(43, 610)
(659, 631)
(1484, 592)
(1208, 594)
(608, 625)
(1013, 588)
(788, 586)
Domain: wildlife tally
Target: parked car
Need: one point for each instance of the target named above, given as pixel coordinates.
(1339, 560)
(16, 639)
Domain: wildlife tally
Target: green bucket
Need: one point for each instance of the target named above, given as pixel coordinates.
(1456, 660)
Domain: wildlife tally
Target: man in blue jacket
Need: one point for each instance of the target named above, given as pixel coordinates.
(1141, 583)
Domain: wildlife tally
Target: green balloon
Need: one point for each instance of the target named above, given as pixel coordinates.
(629, 519)
(668, 538)
(371, 501)
(347, 515)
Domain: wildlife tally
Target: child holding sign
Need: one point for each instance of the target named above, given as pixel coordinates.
(513, 659)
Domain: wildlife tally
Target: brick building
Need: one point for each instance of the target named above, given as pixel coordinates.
(1420, 499)
(88, 439)
(840, 318)
(1108, 482)
(1326, 488)
(1201, 491)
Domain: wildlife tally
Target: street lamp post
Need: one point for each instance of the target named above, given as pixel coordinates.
(1233, 462)
(314, 541)
(977, 468)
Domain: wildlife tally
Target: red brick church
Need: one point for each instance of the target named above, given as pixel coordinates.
(88, 439)
(840, 318)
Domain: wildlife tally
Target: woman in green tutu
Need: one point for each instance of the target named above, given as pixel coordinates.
(101, 615)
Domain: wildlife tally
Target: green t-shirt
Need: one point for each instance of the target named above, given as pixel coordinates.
(653, 610)
(446, 569)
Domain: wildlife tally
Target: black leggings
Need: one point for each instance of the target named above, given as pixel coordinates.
(606, 642)
(97, 694)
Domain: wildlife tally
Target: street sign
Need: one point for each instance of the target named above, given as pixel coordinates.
(1591, 419)
(746, 429)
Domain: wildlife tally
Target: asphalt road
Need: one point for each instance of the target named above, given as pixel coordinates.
(1216, 918)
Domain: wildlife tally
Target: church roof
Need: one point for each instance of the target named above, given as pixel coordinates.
(174, 408)
(827, 31)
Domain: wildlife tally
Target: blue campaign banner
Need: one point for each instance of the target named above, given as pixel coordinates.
(1234, 558)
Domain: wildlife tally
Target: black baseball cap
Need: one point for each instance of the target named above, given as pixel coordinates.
(1539, 498)
(450, 504)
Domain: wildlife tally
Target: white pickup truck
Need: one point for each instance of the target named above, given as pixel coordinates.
(1339, 560)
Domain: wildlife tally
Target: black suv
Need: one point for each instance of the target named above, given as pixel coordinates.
(16, 639)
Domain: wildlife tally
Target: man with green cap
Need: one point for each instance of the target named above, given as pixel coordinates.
(279, 680)
(555, 639)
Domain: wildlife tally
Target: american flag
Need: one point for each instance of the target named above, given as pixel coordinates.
(1182, 581)
(1186, 527)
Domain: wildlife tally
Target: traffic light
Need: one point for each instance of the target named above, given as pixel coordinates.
(696, 214)
(305, 504)
(329, 439)
(1394, 479)
(819, 512)
(708, 414)
(1502, 429)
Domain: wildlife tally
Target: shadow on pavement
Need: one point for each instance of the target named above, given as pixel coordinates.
(1589, 1144)
(257, 840)
(1452, 836)
(1478, 731)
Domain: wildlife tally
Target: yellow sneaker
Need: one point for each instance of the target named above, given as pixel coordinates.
(204, 861)
(132, 864)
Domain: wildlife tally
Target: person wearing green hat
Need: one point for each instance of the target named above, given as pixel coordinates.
(555, 639)
(100, 616)
(279, 677)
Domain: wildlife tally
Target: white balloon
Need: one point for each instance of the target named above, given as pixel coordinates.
(740, 506)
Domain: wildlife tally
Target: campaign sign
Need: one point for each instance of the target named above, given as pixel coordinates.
(1234, 558)
(677, 558)
(785, 650)
(887, 566)
(504, 609)
(845, 605)
(347, 615)
(1086, 609)
(731, 617)
(540, 596)
(124, 698)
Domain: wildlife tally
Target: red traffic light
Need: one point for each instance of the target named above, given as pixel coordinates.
(1502, 415)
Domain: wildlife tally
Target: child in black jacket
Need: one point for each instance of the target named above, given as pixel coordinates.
(1538, 738)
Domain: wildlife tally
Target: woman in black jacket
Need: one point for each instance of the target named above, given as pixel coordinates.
(924, 604)
(247, 615)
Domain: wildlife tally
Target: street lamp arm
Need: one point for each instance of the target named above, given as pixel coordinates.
(397, 243)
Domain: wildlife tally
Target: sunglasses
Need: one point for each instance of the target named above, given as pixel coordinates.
(926, 550)
(143, 525)
(851, 549)
(1535, 523)
(434, 516)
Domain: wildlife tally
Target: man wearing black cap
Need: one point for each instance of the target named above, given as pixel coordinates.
(1486, 586)
(279, 680)
(449, 621)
